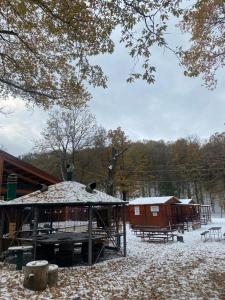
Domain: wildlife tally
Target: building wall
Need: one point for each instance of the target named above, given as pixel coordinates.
(159, 215)
(186, 212)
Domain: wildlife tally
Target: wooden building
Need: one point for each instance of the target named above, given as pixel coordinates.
(153, 211)
(187, 210)
(188, 213)
(29, 177)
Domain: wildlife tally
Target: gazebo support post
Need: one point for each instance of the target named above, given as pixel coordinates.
(1, 175)
(36, 213)
(2, 221)
(117, 229)
(90, 235)
(124, 232)
(51, 221)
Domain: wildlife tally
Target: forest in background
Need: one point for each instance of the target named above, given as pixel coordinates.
(29, 32)
(187, 167)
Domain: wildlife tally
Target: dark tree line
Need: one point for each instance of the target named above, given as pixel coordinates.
(187, 167)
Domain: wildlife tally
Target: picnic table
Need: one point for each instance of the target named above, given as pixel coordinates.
(151, 234)
(215, 233)
(138, 229)
(62, 245)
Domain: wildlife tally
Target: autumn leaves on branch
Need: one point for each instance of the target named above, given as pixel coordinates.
(47, 46)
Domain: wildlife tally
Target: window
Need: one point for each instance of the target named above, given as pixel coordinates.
(154, 209)
(136, 210)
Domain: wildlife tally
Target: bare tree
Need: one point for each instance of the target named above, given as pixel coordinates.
(68, 131)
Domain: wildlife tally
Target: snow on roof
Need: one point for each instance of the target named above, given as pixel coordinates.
(186, 201)
(63, 192)
(150, 200)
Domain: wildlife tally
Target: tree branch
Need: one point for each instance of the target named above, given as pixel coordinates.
(10, 32)
(26, 89)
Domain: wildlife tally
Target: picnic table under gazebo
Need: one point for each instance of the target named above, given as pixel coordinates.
(75, 215)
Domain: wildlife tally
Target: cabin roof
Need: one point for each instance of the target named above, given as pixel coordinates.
(62, 193)
(186, 201)
(151, 200)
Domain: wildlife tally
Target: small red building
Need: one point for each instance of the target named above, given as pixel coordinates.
(153, 211)
(187, 211)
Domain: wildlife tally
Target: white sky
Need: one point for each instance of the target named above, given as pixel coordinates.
(175, 106)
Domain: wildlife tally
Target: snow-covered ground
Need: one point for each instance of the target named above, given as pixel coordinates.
(189, 270)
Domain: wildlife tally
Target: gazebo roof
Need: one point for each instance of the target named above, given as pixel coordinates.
(151, 200)
(67, 192)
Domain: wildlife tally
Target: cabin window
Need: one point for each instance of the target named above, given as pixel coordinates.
(154, 209)
(137, 211)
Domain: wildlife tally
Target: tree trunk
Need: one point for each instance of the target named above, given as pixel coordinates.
(196, 191)
(36, 275)
(52, 275)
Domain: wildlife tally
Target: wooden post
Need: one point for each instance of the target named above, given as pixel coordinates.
(1, 174)
(124, 232)
(90, 235)
(2, 221)
(117, 229)
(36, 211)
(51, 221)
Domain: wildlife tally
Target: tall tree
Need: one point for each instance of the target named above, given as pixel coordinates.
(68, 131)
(118, 145)
(46, 45)
(205, 21)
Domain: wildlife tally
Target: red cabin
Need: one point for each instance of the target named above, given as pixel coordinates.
(187, 210)
(153, 211)
(188, 213)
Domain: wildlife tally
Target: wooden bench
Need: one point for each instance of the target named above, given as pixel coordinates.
(19, 251)
(139, 229)
(158, 235)
(205, 235)
(156, 238)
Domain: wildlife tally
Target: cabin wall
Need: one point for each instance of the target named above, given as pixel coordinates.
(149, 217)
(186, 212)
(157, 215)
(137, 219)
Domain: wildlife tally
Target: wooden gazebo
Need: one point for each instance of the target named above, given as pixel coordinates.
(62, 218)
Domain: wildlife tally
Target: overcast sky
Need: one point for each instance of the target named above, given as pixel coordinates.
(174, 107)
